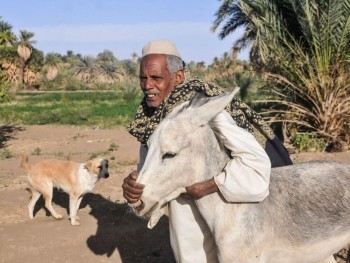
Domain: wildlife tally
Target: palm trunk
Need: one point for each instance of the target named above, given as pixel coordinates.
(21, 66)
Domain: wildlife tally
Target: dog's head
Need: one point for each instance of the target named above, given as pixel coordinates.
(98, 166)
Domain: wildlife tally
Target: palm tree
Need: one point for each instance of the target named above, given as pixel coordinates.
(87, 69)
(7, 37)
(7, 40)
(130, 69)
(106, 56)
(24, 50)
(7, 58)
(52, 65)
(109, 69)
(303, 48)
(247, 83)
(254, 17)
(110, 73)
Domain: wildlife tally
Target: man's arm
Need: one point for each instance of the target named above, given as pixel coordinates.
(198, 190)
(246, 176)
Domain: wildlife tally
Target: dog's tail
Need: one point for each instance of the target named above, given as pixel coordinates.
(24, 162)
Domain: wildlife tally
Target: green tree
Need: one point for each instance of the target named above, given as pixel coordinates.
(87, 69)
(109, 71)
(7, 41)
(106, 56)
(4, 90)
(131, 68)
(24, 50)
(253, 17)
(52, 65)
(7, 38)
(303, 48)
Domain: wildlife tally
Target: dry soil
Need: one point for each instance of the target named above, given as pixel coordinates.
(109, 232)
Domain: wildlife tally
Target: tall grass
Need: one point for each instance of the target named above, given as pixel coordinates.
(103, 109)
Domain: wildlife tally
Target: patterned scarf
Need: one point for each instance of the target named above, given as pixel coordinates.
(147, 119)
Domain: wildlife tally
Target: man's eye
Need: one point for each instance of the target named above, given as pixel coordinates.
(168, 155)
(153, 78)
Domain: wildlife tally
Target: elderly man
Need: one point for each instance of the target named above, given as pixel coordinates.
(254, 148)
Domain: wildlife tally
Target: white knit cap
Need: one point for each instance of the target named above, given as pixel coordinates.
(160, 47)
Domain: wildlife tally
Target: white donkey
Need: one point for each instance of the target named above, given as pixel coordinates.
(305, 218)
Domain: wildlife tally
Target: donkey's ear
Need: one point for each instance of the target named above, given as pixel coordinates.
(178, 109)
(205, 109)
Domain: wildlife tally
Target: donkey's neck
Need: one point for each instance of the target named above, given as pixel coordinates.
(215, 155)
(216, 158)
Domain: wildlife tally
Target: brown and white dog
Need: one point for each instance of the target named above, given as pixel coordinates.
(74, 178)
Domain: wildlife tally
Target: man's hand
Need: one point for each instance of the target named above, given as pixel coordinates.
(132, 191)
(198, 190)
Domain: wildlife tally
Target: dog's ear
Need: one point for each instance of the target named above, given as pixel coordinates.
(88, 165)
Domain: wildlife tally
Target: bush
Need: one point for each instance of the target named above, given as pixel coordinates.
(4, 90)
(6, 154)
(308, 142)
(130, 91)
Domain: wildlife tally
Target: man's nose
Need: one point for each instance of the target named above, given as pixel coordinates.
(148, 83)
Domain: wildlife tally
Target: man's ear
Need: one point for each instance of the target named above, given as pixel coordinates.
(179, 77)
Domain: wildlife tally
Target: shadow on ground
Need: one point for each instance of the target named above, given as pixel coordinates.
(7, 133)
(118, 228)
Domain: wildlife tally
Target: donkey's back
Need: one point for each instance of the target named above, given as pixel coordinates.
(305, 218)
(316, 195)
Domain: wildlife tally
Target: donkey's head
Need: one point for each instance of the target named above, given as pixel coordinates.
(178, 153)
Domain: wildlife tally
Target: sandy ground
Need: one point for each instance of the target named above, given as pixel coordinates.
(109, 232)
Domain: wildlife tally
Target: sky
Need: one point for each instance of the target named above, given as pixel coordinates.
(89, 27)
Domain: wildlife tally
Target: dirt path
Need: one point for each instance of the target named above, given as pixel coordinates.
(109, 232)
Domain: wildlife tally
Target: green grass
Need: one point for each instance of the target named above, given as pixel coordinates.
(104, 109)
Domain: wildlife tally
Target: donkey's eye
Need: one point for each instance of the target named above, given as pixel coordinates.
(168, 155)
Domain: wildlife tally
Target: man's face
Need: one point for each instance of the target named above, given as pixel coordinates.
(155, 80)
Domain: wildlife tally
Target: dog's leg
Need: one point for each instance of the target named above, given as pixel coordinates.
(73, 208)
(48, 203)
(77, 207)
(33, 200)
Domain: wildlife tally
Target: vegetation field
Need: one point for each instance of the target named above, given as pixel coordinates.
(96, 108)
(297, 74)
